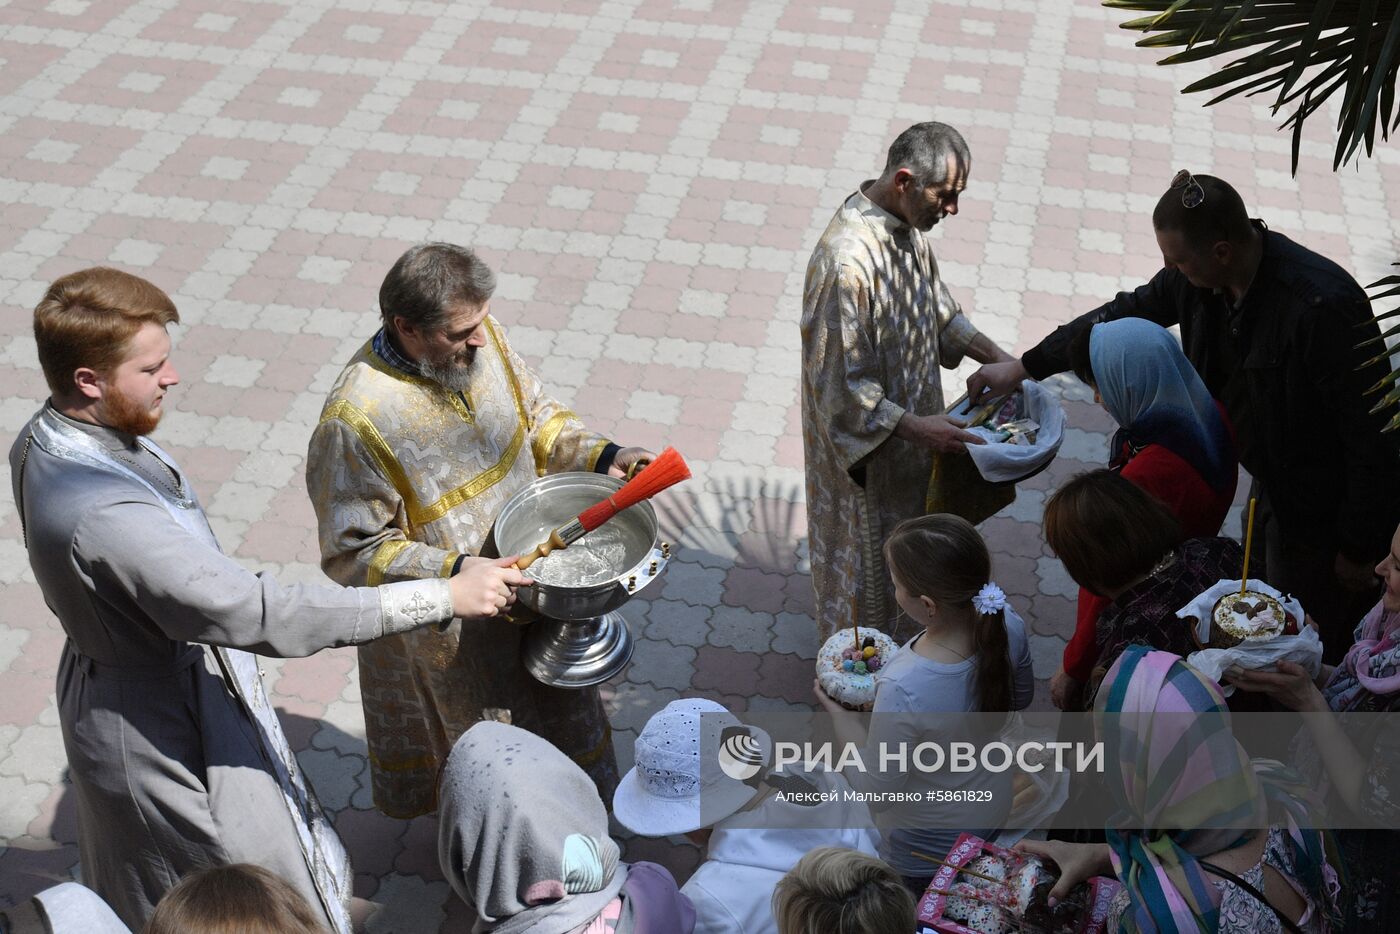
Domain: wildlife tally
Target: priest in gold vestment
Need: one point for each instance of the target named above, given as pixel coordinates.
(877, 323)
(432, 426)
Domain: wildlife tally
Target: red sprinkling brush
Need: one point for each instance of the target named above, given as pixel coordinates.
(667, 470)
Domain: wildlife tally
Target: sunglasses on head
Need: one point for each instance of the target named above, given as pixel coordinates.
(1192, 194)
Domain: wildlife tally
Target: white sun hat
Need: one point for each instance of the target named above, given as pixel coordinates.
(663, 793)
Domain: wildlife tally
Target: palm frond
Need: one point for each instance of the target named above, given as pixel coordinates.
(1263, 65)
(1386, 280)
(1383, 288)
(1395, 290)
(1386, 380)
(1391, 398)
(1379, 337)
(1383, 355)
(1303, 52)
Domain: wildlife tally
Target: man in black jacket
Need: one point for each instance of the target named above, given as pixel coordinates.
(1272, 327)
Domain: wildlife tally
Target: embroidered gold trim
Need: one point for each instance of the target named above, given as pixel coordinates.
(448, 562)
(383, 366)
(510, 370)
(478, 484)
(379, 449)
(494, 475)
(384, 556)
(549, 434)
(596, 453)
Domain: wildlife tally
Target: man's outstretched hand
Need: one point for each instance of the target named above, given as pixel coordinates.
(996, 379)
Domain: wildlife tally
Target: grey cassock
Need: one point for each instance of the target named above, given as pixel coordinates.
(176, 757)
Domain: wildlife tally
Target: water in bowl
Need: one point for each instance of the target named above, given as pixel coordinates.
(596, 558)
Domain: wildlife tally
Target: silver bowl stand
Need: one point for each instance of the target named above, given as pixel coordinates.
(582, 652)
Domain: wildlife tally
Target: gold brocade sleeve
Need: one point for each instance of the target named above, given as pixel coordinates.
(360, 516)
(559, 440)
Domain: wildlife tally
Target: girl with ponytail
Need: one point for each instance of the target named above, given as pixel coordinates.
(943, 580)
(971, 656)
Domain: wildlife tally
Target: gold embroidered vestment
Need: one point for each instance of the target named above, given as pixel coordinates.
(405, 477)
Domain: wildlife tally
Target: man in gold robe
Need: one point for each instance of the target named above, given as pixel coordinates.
(432, 426)
(877, 322)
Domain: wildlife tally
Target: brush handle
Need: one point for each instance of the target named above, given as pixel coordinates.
(562, 537)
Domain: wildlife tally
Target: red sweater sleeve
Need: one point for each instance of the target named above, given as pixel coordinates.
(1082, 649)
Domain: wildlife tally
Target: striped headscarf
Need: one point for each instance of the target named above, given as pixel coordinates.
(1184, 774)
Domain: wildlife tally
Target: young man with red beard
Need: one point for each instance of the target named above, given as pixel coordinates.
(177, 759)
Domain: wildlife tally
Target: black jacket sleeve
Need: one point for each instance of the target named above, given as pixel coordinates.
(1159, 300)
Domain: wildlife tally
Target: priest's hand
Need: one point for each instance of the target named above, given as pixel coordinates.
(485, 587)
(939, 432)
(997, 379)
(628, 457)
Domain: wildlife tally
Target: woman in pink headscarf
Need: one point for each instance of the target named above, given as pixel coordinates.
(1357, 770)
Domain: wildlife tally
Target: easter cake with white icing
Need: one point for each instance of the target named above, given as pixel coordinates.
(846, 667)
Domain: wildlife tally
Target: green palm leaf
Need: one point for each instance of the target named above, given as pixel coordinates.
(1376, 340)
(1390, 399)
(1304, 52)
(1386, 380)
(1388, 286)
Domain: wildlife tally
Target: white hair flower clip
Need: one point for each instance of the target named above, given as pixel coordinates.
(990, 599)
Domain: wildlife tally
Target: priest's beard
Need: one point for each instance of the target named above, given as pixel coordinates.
(453, 373)
(127, 414)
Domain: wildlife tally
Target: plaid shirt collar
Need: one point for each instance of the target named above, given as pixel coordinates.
(385, 348)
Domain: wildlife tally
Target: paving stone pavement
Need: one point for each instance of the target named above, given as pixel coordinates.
(647, 176)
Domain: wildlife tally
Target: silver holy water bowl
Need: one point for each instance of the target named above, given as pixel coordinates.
(580, 639)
